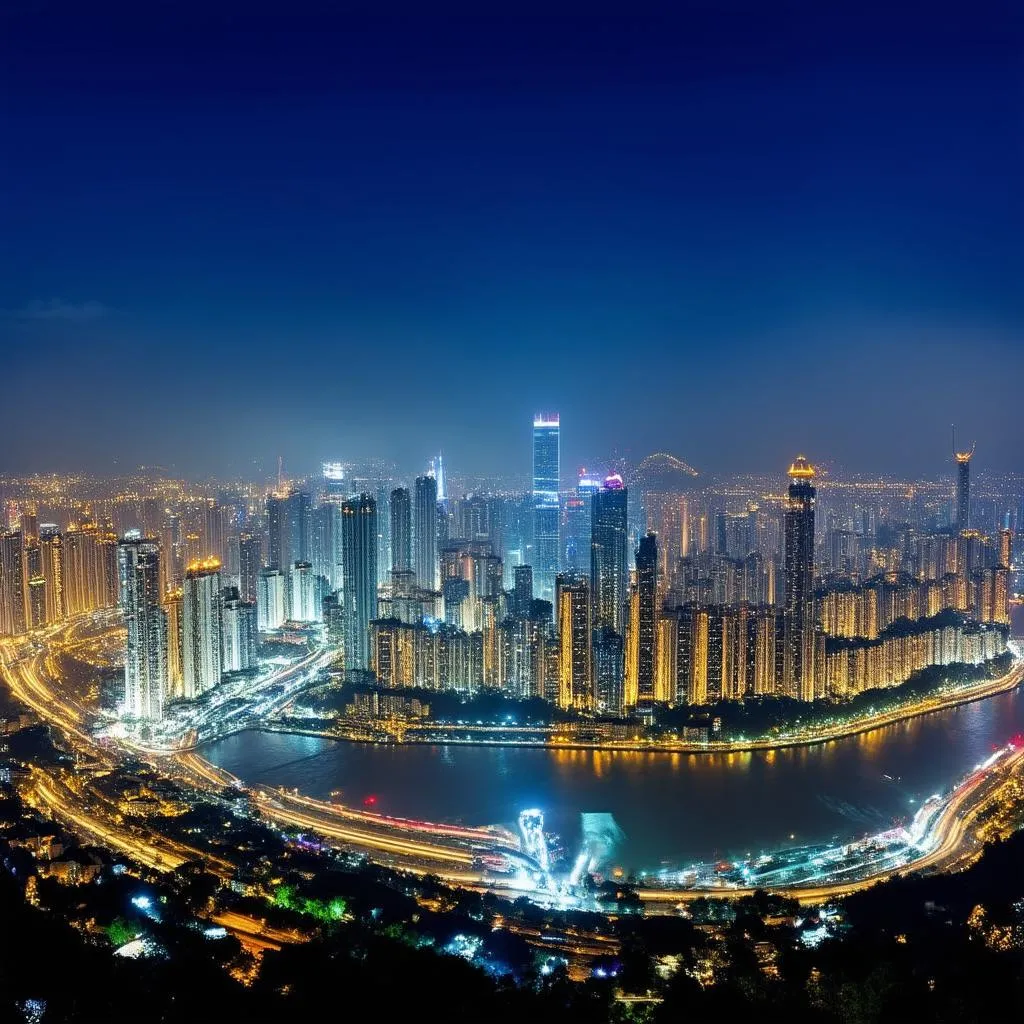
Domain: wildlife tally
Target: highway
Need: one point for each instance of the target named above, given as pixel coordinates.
(452, 852)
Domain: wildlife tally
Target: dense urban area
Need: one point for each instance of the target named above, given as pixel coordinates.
(647, 607)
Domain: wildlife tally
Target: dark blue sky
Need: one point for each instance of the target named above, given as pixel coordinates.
(728, 230)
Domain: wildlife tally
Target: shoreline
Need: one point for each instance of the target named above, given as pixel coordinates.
(967, 695)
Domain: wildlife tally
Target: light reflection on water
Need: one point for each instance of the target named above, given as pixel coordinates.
(673, 808)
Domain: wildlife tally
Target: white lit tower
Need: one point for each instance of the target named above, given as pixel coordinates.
(546, 512)
(145, 662)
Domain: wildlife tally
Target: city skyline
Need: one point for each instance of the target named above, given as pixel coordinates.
(650, 224)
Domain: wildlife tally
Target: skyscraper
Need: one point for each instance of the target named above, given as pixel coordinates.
(145, 663)
(359, 559)
(575, 687)
(250, 557)
(401, 530)
(271, 599)
(576, 517)
(545, 503)
(12, 585)
(51, 549)
(643, 624)
(238, 633)
(288, 527)
(608, 547)
(798, 606)
(963, 489)
(522, 591)
(201, 628)
(426, 533)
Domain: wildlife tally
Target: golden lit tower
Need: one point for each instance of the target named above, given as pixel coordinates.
(963, 486)
(798, 608)
(574, 670)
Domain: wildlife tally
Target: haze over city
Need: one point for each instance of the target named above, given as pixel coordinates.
(728, 231)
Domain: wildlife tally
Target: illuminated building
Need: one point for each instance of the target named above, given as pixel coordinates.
(609, 671)
(963, 487)
(1006, 547)
(288, 528)
(214, 530)
(546, 461)
(303, 596)
(383, 499)
(798, 612)
(175, 639)
(642, 635)
(425, 536)
(334, 488)
(145, 664)
(12, 585)
(201, 628)
(36, 603)
(238, 632)
(51, 549)
(576, 517)
(325, 540)
(608, 549)
(522, 591)
(359, 566)
(574, 617)
(492, 645)
(271, 599)
(401, 530)
(250, 560)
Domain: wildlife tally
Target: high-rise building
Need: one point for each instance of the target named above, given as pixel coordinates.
(546, 512)
(334, 486)
(576, 520)
(271, 599)
(572, 601)
(963, 489)
(642, 645)
(12, 585)
(303, 593)
(51, 549)
(359, 560)
(250, 561)
(175, 639)
(425, 537)
(288, 527)
(201, 628)
(609, 574)
(798, 606)
(401, 530)
(522, 591)
(145, 663)
(238, 632)
(324, 544)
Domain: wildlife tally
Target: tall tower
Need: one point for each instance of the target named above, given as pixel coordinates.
(963, 486)
(575, 687)
(643, 624)
(545, 503)
(12, 585)
(201, 628)
(608, 547)
(798, 608)
(250, 561)
(426, 532)
(145, 661)
(359, 561)
(289, 526)
(401, 530)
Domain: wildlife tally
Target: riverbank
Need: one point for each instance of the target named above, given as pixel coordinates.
(560, 741)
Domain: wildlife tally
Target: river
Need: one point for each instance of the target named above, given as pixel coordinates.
(673, 808)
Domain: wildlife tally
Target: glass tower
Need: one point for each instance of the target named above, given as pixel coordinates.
(609, 574)
(798, 609)
(359, 569)
(145, 661)
(545, 504)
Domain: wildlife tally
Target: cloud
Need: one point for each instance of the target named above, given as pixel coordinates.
(58, 309)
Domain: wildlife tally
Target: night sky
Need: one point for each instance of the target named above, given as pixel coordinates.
(730, 231)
